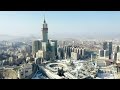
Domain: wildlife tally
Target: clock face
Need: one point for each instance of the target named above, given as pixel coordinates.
(45, 30)
(44, 25)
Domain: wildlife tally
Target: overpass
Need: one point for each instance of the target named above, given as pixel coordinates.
(50, 74)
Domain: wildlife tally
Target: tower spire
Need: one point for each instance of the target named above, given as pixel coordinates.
(44, 19)
(45, 31)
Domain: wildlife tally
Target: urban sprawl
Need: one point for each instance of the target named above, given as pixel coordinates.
(64, 59)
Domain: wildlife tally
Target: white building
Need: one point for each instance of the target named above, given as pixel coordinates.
(28, 59)
(40, 54)
(24, 71)
(74, 56)
(118, 57)
(20, 55)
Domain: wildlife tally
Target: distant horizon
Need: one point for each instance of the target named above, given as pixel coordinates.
(34, 37)
(73, 24)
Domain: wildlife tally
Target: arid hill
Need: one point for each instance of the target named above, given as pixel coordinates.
(8, 74)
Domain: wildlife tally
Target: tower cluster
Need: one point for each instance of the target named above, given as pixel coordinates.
(44, 49)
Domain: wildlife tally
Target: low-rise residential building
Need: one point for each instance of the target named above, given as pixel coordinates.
(25, 71)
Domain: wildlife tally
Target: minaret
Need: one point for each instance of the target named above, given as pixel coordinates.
(45, 31)
(91, 57)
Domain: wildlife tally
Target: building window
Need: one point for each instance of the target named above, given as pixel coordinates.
(26, 71)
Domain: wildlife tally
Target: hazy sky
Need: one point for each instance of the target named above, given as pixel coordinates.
(24, 23)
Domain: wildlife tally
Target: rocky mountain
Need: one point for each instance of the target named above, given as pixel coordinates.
(7, 37)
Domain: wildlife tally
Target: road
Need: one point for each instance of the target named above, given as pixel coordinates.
(39, 75)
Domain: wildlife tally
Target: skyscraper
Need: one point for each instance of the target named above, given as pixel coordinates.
(68, 52)
(114, 56)
(59, 52)
(83, 52)
(46, 49)
(56, 45)
(101, 53)
(53, 50)
(118, 57)
(110, 49)
(45, 31)
(117, 49)
(44, 46)
(105, 46)
(35, 46)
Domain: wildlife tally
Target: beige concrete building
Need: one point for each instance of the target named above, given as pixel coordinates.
(40, 54)
(24, 71)
(118, 57)
(74, 55)
(20, 55)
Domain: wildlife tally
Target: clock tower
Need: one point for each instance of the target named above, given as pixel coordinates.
(45, 32)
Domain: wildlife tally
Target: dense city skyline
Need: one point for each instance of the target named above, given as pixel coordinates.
(75, 23)
(51, 58)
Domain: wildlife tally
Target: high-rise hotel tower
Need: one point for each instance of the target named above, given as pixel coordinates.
(45, 32)
(47, 48)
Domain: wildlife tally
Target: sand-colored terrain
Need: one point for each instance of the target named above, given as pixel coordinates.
(8, 74)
